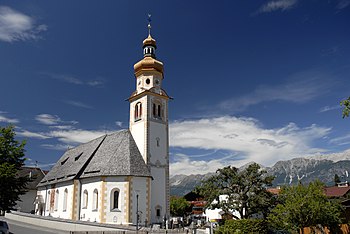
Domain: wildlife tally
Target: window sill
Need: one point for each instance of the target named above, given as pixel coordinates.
(64, 210)
(94, 210)
(115, 210)
(84, 208)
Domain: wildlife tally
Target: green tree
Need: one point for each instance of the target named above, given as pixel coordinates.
(245, 190)
(178, 206)
(305, 206)
(346, 104)
(336, 179)
(11, 160)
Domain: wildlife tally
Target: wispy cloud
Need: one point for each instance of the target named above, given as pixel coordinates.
(17, 26)
(49, 119)
(76, 136)
(119, 123)
(343, 4)
(74, 80)
(59, 147)
(343, 140)
(301, 88)
(244, 138)
(277, 5)
(29, 134)
(78, 104)
(5, 119)
(329, 108)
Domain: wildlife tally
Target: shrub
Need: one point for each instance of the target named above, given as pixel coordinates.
(239, 226)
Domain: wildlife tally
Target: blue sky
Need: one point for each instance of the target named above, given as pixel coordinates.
(251, 80)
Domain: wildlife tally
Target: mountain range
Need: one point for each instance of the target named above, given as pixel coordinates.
(305, 169)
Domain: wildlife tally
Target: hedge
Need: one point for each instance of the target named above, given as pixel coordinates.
(241, 226)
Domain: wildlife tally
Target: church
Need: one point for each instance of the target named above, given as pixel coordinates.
(123, 177)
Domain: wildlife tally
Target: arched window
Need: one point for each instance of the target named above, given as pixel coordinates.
(157, 110)
(56, 199)
(95, 200)
(65, 198)
(158, 141)
(138, 111)
(85, 199)
(48, 200)
(115, 199)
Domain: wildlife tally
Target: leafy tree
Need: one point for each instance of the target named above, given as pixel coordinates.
(305, 206)
(346, 104)
(245, 190)
(178, 206)
(336, 179)
(11, 160)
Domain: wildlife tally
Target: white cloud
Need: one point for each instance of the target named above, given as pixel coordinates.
(76, 136)
(344, 140)
(25, 133)
(329, 108)
(301, 88)
(16, 26)
(5, 119)
(74, 80)
(59, 147)
(79, 104)
(245, 138)
(277, 5)
(343, 4)
(119, 123)
(48, 119)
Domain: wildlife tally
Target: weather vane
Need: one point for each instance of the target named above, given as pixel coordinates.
(149, 24)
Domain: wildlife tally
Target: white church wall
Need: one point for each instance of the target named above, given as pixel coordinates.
(88, 210)
(117, 216)
(50, 207)
(139, 187)
(158, 153)
(158, 194)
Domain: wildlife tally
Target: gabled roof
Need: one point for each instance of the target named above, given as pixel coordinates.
(36, 174)
(336, 191)
(115, 154)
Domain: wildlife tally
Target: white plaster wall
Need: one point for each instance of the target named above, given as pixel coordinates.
(158, 130)
(137, 128)
(139, 187)
(88, 213)
(158, 194)
(59, 213)
(116, 217)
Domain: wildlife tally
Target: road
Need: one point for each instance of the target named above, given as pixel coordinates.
(24, 228)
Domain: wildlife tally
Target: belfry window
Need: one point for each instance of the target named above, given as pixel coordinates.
(157, 111)
(138, 111)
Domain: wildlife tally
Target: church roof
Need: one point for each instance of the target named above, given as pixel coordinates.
(114, 154)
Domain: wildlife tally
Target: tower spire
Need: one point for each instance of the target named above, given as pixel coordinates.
(149, 24)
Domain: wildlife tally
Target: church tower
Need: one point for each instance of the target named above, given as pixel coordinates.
(149, 126)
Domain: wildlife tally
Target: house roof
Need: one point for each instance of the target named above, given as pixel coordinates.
(114, 154)
(36, 174)
(336, 191)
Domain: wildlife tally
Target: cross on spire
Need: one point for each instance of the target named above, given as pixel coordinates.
(149, 24)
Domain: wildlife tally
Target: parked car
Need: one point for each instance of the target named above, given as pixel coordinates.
(4, 228)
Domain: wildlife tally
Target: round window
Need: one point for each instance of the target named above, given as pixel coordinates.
(148, 81)
(157, 82)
